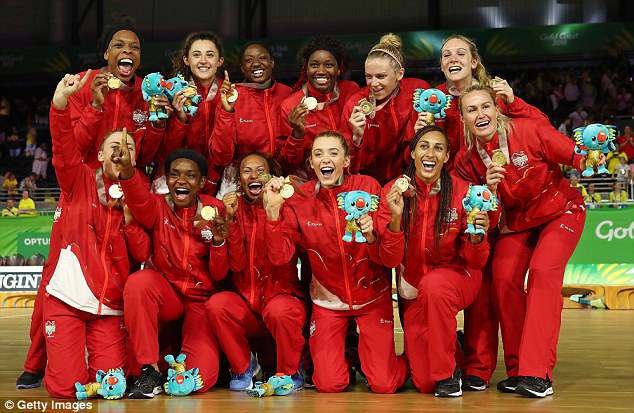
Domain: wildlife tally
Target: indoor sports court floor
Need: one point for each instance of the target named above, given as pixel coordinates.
(595, 373)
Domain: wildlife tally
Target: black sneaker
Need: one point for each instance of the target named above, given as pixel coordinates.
(28, 380)
(449, 387)
(534, 387)
(147, 385)
(473, 383)
(508, 385)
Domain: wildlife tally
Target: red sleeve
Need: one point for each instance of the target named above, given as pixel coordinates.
(84, 118)
(67, 160)
(138, 242)
(520, 109)
(283, 234)
(222, 142)
(346, 131)
(237, 249)
(557, 147)
(143, 205)
(218, 261)
(392, 246)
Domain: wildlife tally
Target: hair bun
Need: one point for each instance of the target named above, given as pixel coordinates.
(391, 40)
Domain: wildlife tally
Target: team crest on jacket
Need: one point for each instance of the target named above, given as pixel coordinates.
(49, 328)
(453, 215)
(206, 234)
(58, 214)
(139, 117)
(519, 159)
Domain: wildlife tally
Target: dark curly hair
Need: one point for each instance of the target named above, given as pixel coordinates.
(335, 47)
(177, 60)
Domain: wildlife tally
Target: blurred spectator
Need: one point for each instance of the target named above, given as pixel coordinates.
(571, 91)
(28, 183)
(593, 198)
(578, 117)
(622, 171)
(10, 210)
(26, 207)
(40, 161)
(574, 182)
(15, 144)
(588, 92)
(626, 142)
(31, 142)
(10, 183)
(618, 195)
(5, 114)
(614, 159)
(565, 127)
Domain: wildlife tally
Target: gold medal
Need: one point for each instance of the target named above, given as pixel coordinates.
(264, 177)
(208, 213)
(114, 82)
(287, 191)
(366, 106)
(402, 184)
(115, 191)
(233, 96)
(498, 158)
(310, 103)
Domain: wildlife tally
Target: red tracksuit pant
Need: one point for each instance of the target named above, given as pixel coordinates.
(149, 299)
(234, 323)
(430, 323)
(385, 372)
(69, 332)
(530, 321)
(36, 357)
(480, 352)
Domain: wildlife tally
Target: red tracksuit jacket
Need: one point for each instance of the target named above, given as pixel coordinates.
(253, 275)
(454, 249)
(254, 125)
(387, 135)
(187, 260)
(83, 221)
(295, 150)
(534, 190)
(453, 126)
(123, 107)
(346, 275)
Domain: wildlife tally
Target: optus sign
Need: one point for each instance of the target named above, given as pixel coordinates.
(33, 242)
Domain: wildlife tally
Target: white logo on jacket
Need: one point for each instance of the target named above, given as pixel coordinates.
(313, 224)
(167, 222)
(49, 328)
(246, 120)
(139, 117)
(58, 214)
(520, 159)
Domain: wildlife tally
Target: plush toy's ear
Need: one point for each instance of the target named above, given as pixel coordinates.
(169, 359)
(100, 375)
(181, 358)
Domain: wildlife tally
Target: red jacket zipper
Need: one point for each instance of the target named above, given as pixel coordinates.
(185, 249)
(115, 120)
(341, 250)
(424, 235)
(268, 121)
(104, 246)
(252, 263)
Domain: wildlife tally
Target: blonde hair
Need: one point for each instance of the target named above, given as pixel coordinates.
(504, 123)
(389, 45)
(479, 73)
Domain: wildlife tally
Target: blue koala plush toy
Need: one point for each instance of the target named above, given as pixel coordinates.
(180, 381)
(356, 204)
(433, 101)
(478, 198)
(110, 385)
(192, 98)
(154, 85)
(595, 141)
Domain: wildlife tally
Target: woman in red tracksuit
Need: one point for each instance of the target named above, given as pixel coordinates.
(441, 272)
(378, 140)
(349, 283)
(96, 109)
(252, 122)
(267, 299)
(89, 262)
(189, 254)
(323, 63)
(543, 218)
(198, 61)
